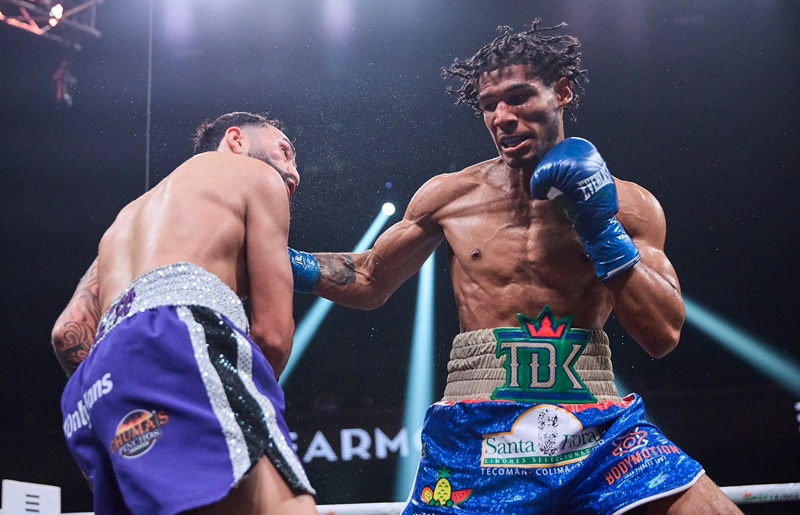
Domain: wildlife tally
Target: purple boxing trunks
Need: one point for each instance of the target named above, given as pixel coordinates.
(175, 404)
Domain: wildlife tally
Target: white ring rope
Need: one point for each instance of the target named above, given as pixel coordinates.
(377, 508)
(752, 494)
(745, 494)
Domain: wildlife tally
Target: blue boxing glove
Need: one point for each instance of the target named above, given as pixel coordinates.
(574, 175)
(305, 270)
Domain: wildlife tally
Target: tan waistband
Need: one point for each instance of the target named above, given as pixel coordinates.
(474, 370)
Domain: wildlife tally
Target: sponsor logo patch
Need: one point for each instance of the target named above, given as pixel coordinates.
(442, 494)
(81, 416)
(542, 437)
(539, 359)
(635, 453)
(138, 432)
(630, 442)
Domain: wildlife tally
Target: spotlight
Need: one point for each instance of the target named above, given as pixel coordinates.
(56, 13)
(419, 385)
(770, 361)
(65, 22)
(388, 209)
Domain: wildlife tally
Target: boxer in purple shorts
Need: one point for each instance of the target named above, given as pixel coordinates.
(545, 230)
(200, 410)
(173, 404)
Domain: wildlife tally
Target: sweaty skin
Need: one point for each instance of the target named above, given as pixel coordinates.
(227, 212)
(509, 253)
(223, 211)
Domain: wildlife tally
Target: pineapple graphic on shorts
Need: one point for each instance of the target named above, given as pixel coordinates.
(442, 494)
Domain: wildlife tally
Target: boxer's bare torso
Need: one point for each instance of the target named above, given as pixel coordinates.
(508, 253)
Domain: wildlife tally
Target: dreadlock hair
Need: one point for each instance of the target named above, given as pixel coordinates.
(209, 134)
(552, 57)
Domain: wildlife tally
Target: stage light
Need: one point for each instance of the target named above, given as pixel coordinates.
(338, 16)
(388, 209)
(419, 386)
(779, 367)
(307, 328)
(56, 13)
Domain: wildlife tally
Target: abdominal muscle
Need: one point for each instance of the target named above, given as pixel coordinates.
(509, 267)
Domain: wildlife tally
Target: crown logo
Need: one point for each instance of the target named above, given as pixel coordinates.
(546, 326)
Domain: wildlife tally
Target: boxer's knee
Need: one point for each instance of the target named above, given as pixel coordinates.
(702, 497)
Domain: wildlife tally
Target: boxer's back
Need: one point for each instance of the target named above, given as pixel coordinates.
(196, 214)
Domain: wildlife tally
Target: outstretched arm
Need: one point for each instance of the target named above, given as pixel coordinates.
(367, 280)
(647, 298)
(74, 331)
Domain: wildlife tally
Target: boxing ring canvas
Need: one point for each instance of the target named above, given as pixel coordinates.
(695, 101)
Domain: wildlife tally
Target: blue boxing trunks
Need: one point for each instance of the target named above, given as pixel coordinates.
(175, 404)
(531, 423)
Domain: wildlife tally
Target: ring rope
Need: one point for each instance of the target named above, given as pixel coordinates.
(744, 494)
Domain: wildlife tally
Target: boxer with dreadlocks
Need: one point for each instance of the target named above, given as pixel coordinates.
(543, 243)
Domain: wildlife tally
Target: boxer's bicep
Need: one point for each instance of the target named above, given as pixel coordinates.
(643, 219)
(649, 234)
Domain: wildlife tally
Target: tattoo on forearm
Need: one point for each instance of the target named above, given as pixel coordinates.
(76, 327)
(73, 345)
(337, 269)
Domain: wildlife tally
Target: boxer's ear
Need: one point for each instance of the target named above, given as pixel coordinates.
(563, 91)
(234, 141)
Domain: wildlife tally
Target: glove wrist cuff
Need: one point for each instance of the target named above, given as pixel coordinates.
(612, 250)
(305, 270)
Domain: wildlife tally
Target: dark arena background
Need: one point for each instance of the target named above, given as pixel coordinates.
(695, 100)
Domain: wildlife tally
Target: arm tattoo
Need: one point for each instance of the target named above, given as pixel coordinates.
(338, 269)
(74, 330)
